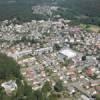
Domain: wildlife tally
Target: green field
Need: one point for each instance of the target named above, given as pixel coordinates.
(89, 27)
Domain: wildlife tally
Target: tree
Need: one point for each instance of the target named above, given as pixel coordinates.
(56, 47)
(97, 97)
(58, 86)
(46, 88)
(9, 69)
(53, 97)
(83, 58)
(38, 95)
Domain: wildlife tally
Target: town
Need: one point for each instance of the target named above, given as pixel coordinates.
(52, 51)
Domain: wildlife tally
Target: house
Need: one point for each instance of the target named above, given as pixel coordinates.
(95, 83)
(9, 86)
(73, 77)
(90, 71)
(86, 86)
(71, 90)
(83, 97)
(97, 88)
(92, 91)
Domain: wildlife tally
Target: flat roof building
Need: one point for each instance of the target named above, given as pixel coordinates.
(68, 53)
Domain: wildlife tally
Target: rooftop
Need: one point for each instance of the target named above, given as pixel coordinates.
(68, 52)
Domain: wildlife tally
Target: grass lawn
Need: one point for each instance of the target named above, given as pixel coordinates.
(89, 27)
(94, 28)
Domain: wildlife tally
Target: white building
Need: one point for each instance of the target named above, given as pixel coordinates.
(17, 54)
(9, 86)
(67, 53)
(43, 50)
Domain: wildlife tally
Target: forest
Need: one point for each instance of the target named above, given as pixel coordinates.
(81, 11)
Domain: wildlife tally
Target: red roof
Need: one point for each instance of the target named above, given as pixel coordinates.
(89, 72)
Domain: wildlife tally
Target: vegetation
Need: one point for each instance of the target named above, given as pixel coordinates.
(58, 86)
(97, 97)
(23, 12)
(9, 69)
(80, 11)
(56, 47)
(89, 27)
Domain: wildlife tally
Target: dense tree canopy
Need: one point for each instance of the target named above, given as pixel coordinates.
(84, 11)
(9, 69)
(58, 86)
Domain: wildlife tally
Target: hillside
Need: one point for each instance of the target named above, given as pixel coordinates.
(85, 11)
(88, 7)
